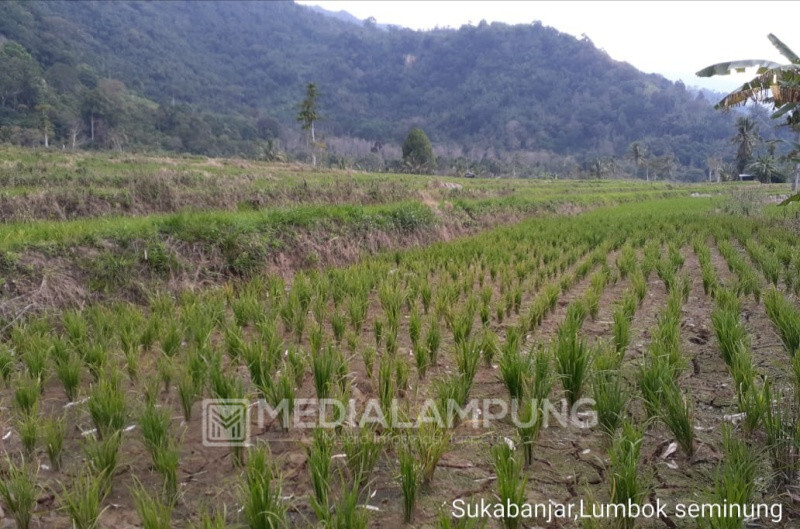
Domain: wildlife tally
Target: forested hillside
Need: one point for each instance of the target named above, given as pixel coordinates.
(227, 77)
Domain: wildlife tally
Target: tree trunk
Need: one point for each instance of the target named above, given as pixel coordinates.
(796, 177)
(46, 140)
(313, 146)
(91, 122)
(647, 174)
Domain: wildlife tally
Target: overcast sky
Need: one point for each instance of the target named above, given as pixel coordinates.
(674, 39)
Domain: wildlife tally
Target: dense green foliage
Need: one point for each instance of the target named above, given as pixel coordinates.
(418, 151)
(221, 78)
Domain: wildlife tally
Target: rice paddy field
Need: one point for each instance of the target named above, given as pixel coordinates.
(450, 317)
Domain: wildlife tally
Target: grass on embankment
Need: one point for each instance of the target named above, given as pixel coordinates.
(212, 226)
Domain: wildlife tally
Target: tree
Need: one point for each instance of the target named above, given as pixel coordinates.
(775, 84)
(766, 169)
(21, 82)
(45, 125)
(745, 139)
(307, 116)
(714, 168)
(794, 157)
(418, 151)
(638, 154)
(663, 166)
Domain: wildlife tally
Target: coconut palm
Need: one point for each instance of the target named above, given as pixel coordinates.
(745, 139)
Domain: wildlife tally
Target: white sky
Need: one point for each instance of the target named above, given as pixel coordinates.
(673, 38)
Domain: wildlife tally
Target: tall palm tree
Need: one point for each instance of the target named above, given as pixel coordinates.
(745, 139)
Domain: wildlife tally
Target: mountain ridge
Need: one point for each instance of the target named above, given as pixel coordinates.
(489, 90)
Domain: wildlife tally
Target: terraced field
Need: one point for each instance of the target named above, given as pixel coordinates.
(652, 325)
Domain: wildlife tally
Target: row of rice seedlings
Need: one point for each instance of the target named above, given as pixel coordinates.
(666, 340)
(319, 467)
(102, 456)
(657, 375)
(431, 443)
(107, 405)
(748, 281)
(83, 500)
(348, 512)
(547, 298)
(782, 428)
(628, 486)
(467, 358)
(598, 282)
(769, 264)
(707, 270)
(55, 430)
(19, 491)
(678, 415)
(261, 490)
(653, 375)
(329, 370)
(651, 257)
(6, 363)
(627, 261)
(785, 316)
(514, 366)
(154, 512)
(410, 478)
(161, 444)
(783, 244)
(609, 392)
(734, 481)
(573, 357)
(736, 352)
(531, 410)
(453, 388)
(362, 450)
(796, 377)
(33, 347)
(227, 387)
(511, 481)
(625, 310)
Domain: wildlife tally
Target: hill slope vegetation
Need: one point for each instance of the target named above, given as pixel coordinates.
(225, 78)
